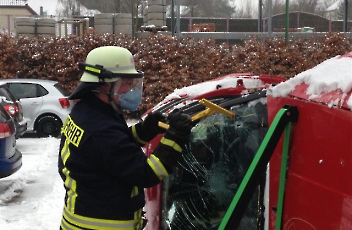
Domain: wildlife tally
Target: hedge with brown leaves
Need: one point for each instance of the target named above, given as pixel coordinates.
(167, 62)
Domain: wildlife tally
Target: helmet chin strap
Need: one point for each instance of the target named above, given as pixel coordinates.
(110, 95)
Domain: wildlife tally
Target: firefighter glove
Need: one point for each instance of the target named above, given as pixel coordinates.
(150, 125)
(171, 145)
(146, 130)
(180, 123)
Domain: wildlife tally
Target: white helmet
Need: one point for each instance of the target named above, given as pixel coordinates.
(106, 64)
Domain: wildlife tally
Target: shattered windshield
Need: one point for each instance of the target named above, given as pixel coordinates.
(214, 162)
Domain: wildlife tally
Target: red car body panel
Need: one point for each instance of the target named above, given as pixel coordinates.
(318, 193)
(318, 190)
(154, 195)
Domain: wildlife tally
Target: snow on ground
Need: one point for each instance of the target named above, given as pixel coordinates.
(32, 198)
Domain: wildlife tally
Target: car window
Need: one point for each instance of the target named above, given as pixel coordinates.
(41, 91)
(6, 94)
(62, 90)
(27, 90)
(211, 169)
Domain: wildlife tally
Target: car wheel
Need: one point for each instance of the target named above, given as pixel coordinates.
(48, 126)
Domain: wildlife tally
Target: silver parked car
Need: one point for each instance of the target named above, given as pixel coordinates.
(45, 104)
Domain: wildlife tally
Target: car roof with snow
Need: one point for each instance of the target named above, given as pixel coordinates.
(329, 83)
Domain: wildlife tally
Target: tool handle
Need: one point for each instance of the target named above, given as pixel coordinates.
(163, 125)
(216, 108)
(212, 108)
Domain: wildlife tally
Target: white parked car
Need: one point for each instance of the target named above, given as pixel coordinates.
(45, 104)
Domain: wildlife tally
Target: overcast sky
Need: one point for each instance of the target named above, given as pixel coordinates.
(49, 6)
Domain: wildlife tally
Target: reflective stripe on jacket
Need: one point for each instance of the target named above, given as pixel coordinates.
(103, 168)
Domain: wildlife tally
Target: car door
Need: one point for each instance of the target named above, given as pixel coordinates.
(31, 97)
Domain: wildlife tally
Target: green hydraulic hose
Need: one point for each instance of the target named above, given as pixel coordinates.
(283, 177)
(281, 125)
(251, 169)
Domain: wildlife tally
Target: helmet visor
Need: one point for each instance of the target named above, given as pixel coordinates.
(128, 93)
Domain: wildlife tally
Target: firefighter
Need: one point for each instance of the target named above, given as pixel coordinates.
(101, 162)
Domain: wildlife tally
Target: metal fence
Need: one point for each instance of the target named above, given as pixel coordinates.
(225, 28)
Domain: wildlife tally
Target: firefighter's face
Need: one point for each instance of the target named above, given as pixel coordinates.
(123, 85)
(128, 92)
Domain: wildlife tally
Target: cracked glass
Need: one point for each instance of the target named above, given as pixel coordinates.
(198, 193)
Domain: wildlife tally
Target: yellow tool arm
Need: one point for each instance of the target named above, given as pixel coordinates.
(212, 108)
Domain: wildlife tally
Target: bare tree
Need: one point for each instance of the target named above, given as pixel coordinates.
(246, 10)
(321, 8)
(108, 6)
(209, 8)
(196, 8)
(278, 7)
(341, 10)
(309, 6)
(70, 8)
(249, 9)
(225, 9)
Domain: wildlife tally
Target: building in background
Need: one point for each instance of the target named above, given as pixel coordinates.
(8, 13)
(332, 11)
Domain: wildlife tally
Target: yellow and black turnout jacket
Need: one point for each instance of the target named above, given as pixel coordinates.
(104, 170)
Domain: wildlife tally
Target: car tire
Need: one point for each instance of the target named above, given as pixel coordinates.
(48, 126)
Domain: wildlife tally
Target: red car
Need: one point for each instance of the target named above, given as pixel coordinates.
(283, 162)
(219, 152)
